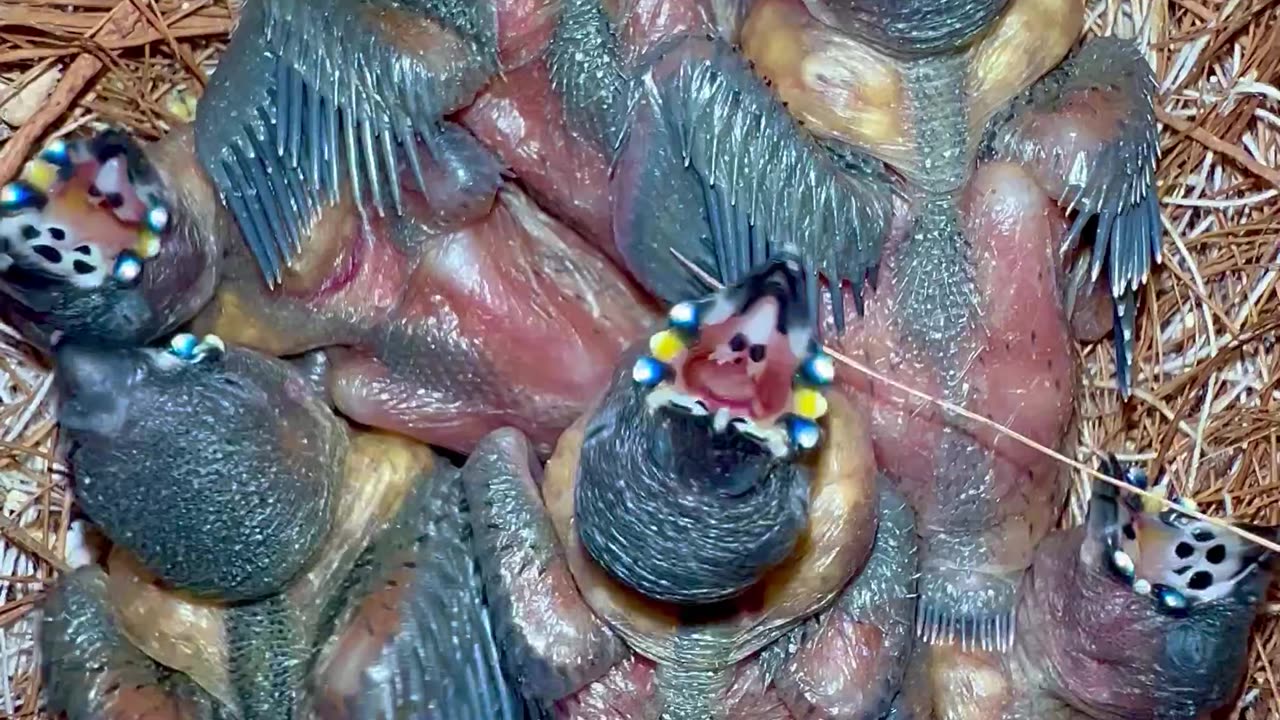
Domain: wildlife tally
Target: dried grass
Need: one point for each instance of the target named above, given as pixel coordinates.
(99, 61)
(1207, 400)
(1208, 382)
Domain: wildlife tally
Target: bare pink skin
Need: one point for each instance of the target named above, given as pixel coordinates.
(509, 320)
(749, 695)
(650, 23)
(520, 117)
(523, 303)
(1091, 315)
(626, 692)
(524, 29)
(478, 312)
(1021, 374)
(1080, 123)
(835, 674)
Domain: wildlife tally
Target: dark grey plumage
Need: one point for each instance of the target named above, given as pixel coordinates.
(313, 96)
(443, 661)
(89, 666)
(218, 474)
(550, 652)
(914, 27)
(586, 71)
(678, 511)
(267, 659)
(726, 177)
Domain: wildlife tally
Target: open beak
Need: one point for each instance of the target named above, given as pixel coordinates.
(747, 358)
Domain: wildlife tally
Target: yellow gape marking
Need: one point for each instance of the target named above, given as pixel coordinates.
(40, 174)
(148, 244)
(665, 346)
(809, 403)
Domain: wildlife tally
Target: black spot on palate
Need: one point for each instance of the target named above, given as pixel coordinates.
(1216, 554)
(48, 253)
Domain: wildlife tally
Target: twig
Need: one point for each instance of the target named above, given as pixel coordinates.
(118, 23)
(151, 13)
(1218, 145)
(183, 30)
(26, 541)
(1271, 678)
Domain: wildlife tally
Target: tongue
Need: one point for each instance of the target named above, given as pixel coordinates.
(727, 384)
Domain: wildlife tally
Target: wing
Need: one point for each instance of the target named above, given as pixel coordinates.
(552, 642)
(416, 639)
(91, 670)
(707, 127)
(1088, 132)
(312, 95)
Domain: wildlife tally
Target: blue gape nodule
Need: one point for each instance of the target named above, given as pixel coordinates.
(459, 221)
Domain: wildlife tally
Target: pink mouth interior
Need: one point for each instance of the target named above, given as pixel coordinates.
(71, 208)
(723, 376)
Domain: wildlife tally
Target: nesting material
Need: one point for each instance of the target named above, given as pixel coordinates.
(1206, 404)
(65, 65)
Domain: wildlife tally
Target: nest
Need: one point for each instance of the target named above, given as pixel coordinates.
(1206, 405)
